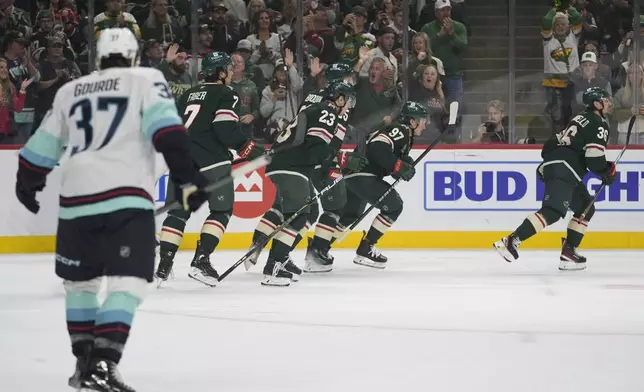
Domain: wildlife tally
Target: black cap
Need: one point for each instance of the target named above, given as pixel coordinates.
(219, 5)
(15, 36)
(359, 10)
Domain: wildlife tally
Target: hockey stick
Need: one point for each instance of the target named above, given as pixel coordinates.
(453, 112)
(631, 123)
(261, 245)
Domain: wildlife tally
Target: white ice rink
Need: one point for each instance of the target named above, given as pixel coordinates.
(434, 321)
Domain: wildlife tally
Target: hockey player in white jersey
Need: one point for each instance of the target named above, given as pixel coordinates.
(108, 124)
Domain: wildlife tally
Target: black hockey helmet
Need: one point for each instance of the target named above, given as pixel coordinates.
(339, 88)
(214, 62)
(338, 71)
(594, 94)
(413, 110)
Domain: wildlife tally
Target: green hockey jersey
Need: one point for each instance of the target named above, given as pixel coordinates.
(306, 141)
(581, 146)
(210, 113)
(384, 148)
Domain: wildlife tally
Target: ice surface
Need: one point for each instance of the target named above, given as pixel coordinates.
(432, 321)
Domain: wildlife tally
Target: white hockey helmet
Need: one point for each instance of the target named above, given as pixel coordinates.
(117, 41)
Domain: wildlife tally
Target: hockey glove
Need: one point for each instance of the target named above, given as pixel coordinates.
(609, 177)
(403, 170)
(28, 198)
(408, 159)
(352, 161)
(190, 195)
(251, 150)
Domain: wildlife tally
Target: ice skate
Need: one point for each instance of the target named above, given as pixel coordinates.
(570, 260)
(201, 269)
(508, 247)
(164, 270)
(291, 267)
(259, 243)
(80, 371)
(368, 256)
(317, 260)
(275, 274)
(103, 376)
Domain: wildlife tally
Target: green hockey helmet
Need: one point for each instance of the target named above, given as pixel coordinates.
(214, 62)
(338, 71)
(414, 110)
(339, 88)
(594, 94)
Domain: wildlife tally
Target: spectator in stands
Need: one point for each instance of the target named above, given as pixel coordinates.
(160, 25)
(152, 54)
(203, 47)
(253, 72)
(399, 27)
(384, 18)
(248, 95)
(427, 90)
(421, 54)
(376, 99)
(615, 21)
(10, 103)
(226, 30)
(237, 8)
(44, 26)
(21, 66)
(586, 76)
(428, 13)
(448, 39)
(55, 71)
(318, 35)
(265, 44)
(254, 6)
(279, 98)
(560, 41)
(13, 19)
(603, 69)
(625, 106)
(174, 69)
(114, 17)
(589, 30)
(493, 130)
(351, 36)
(627, 43)
(383, 51)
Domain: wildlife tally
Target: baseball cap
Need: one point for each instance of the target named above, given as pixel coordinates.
(441, 4)
(15, 36)
(589, 56)
(219, 5)
(244, 44)
(359, 10)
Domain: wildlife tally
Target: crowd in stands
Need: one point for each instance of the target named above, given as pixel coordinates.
(586, 43)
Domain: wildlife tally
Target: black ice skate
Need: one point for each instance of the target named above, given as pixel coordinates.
(317, 260)
(259, 244)
(508, 247)
(368, 256)
(80, 371)
(291, 267)
(570, 260)
(103, 376)
(276, 274)
(201, 270)
(164, 270)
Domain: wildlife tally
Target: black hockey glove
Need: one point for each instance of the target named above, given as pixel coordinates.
(191, 195)
(408, 159)
(352, 161)
(28, 198)
(609, 177)
(403, 170)
(251, 150)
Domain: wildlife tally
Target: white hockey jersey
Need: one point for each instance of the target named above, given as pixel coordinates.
(100, 128)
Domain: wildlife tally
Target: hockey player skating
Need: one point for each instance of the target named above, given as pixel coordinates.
(209, 112)
(110, 121)
(335, 198)
(306, 143)
(388, 153)
(567, 157)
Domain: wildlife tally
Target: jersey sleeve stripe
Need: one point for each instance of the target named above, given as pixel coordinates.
(43, 149)
(594, 152)
(225, 115)
(594, 146)
(321, 133)
(341, 132)
(158, 116)
(163, 131)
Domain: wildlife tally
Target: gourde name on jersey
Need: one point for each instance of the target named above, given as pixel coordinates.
(106, 120)
(584, 138)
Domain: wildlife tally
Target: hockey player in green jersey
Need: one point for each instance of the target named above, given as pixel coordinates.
(209, 113)
(306, 143)
(567, 157)
(388, 153)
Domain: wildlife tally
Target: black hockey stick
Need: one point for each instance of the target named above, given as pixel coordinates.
(253, 165)
(261, 245)
(631, 123)
(453, 112)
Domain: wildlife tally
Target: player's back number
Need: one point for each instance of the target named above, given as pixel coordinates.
(83, 112)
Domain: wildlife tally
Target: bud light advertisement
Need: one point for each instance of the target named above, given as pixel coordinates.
(471, 185)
